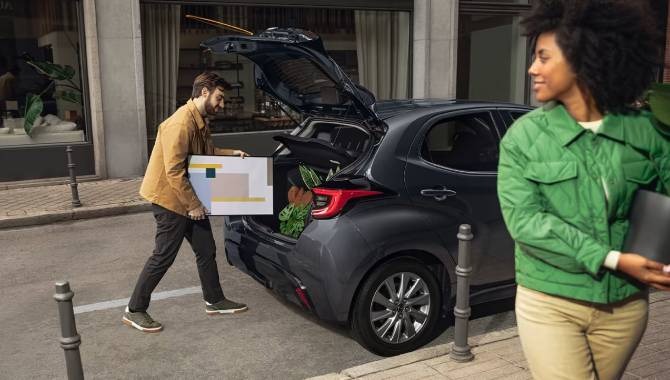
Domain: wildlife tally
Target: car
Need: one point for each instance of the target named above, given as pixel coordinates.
(379, 247)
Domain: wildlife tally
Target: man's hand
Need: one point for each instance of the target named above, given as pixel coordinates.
(199, 213)
(240, 153)
(644, 270)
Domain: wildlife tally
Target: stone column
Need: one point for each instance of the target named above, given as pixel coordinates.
(435, 47)
(122, 86)
(94, 91)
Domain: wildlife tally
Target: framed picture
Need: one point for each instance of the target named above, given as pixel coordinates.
(231, 185)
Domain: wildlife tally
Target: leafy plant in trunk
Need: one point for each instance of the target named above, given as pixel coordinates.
(292, 217)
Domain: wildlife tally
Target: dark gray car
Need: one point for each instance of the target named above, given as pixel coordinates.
(378, 250)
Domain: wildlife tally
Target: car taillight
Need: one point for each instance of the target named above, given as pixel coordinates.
(330, 202)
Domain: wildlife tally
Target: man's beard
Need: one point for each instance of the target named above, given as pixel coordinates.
(209, 109)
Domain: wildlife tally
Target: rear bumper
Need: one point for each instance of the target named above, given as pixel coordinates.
(270, 275)
(327, 263)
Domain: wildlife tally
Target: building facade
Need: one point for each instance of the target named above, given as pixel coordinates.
(100, 75)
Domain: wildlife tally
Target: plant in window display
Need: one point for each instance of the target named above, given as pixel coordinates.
(60, 76)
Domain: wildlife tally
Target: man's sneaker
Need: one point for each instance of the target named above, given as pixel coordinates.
(141, 321)
(225, 307)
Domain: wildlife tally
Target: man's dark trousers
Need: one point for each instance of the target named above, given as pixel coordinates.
(171, 229)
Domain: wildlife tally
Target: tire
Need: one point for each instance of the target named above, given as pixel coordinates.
(384, 325)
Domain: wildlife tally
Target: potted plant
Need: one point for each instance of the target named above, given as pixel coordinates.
(61, 76)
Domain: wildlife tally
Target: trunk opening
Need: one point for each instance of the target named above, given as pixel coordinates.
(321, 146)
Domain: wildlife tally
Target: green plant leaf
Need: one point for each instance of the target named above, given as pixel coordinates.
(292, 219)
(71, 96)
(309, 177)
(34, 108)
(53, 70)
(302, 211)
(285, 214)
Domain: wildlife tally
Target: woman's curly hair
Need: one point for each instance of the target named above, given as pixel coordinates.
(613, 46)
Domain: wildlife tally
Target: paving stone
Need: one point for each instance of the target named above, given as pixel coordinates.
(475, 367)
(523, 375)
(397, 361)
(330, 376)
(500, 372)
(513, 357)
(446, 365)
(48, 204)
(648, 359)
(437, 377)
(659, 368)
(17, 213)
(408, 372)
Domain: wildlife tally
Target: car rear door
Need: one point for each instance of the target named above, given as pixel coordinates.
(451, 175)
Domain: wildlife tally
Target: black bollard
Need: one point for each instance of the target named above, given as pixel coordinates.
(70, 339)
(461, 350)
(73, 178)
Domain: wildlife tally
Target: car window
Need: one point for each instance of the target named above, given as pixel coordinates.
(510, 116)
(465, 142)
(516, 114)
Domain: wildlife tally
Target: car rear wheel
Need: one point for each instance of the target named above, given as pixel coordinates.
(397, 308)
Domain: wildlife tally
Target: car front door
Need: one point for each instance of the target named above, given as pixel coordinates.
(451, 175)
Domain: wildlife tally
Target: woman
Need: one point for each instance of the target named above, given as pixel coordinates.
(567, 175)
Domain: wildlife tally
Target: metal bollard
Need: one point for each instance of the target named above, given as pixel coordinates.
(461, 350)
(73, 179)
(70, 339)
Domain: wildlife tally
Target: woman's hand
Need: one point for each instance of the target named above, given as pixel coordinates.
(644, 270)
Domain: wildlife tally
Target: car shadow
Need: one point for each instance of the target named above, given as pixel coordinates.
(341, 330)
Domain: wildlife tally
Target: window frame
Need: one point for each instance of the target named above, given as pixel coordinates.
(425, 131)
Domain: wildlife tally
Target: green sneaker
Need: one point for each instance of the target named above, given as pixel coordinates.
(225, 306)
(141, 321)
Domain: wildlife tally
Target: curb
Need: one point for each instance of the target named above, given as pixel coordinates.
(416, 356)
(87, 212)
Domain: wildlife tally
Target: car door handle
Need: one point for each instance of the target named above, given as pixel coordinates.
(440, 193)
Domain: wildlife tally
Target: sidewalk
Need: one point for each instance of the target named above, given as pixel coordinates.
(498, 355)
(48, 204)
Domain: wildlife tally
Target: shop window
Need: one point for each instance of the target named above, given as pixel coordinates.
(484, 38)
(41, 90)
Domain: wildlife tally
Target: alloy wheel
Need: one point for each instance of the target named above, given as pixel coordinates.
(400, 307)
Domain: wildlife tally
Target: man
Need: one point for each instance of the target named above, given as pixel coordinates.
(178, 212)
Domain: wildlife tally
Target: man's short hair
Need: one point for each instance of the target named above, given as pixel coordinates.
(210, 81)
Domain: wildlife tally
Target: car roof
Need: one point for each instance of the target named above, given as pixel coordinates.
(389, 108)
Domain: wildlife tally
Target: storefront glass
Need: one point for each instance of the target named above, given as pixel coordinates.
(373, 48)
(492, 60)
(41, 92)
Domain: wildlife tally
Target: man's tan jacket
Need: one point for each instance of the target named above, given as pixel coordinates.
(165, 182)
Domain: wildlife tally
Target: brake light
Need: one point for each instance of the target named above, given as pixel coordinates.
(330, 202)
